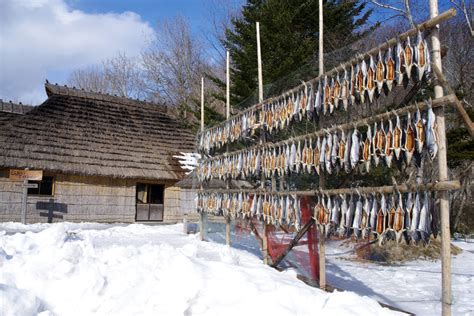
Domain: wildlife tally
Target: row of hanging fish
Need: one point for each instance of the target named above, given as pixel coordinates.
(349, 87)
(411, 217)
(272, 209)
(383, 142)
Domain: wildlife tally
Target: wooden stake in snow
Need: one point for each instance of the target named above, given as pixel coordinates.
(322, 180)
(259, 58)
(202, 227)
(443, 173)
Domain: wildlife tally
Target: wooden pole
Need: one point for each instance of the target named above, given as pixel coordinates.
(322, 180)
(202, 226)
(24, 201)
(387, 189)
(443, 173)
(266, 258)
(228, 239)
(259, 58)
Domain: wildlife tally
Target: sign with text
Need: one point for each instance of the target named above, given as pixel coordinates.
(19, 175)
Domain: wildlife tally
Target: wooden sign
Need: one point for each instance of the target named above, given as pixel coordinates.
(19, 175)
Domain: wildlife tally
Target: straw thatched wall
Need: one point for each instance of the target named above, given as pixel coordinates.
(95, 199)
(76, 198)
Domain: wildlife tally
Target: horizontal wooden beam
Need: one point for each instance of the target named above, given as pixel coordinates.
(427, 25)
(402, 188)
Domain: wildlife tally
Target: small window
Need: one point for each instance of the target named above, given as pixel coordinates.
(45, 187)
(150, 193)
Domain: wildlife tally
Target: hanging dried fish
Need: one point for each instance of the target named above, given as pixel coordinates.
(326, 96)
(420, 131)
(380, 72)
(335, 214)
(397, 138)
(334, 150)
(431, 133)
(310, 157)
(424, 227)
(297, 213)
(298, 157)
(355, 148)
(322, 154)
(350, 215)
(399, 220)
(376, 149)
(342, 222)
(381, 218)
(352, 86)
(415, 220)
(357, 223)
(373, 213)
(328, 152)
(361, 80)
(421, 56)
(409, 145)
(389, 144)
(309, 103)
(336, 91)
(367, 149)
(317, 155)
(366, 217)
(390, 69)
(371, 72)
(347, 153)
(400, 64)
(345, 90)
(342, 149)
(318, 98)
(408, 57)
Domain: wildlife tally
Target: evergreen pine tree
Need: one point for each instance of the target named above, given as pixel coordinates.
(289, 39)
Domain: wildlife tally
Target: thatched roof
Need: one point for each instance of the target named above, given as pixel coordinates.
(10, 110)
(87, 133)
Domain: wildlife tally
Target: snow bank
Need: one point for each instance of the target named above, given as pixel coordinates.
(65, 269)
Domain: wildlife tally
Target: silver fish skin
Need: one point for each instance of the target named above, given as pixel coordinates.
(347, 153)
(409, 153)
(415, 220)
(380, 61)
(330, 102)
(287, 160)
(344, 210)
(399, 64)
(322, 154)
(309, 152)
(253, 207)
(355, 148)
(357, 223)
(374, 149)
(345, 90)
(334, 149)
(309, 102)
(298, 157)
(421, 54)
(408, 66)
(327, 153)
(409, 211)
(366, 214)
(431, 134)
(350, 215)
(297, 213)
(335, 212)
(317, 166)
(317, 99)
(352, 93)
(424, 227)
(373, 213)
(368, 162)
(325, 102)
(371, 91)
(293, 155)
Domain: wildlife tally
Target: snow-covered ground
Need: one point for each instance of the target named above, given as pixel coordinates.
(92, 269)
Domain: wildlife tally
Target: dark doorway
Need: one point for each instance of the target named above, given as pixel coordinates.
(150, 198)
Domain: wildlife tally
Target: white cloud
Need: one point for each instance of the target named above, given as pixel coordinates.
(43, 37)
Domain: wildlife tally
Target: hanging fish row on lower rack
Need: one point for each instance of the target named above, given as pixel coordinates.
(272, 209)
(332, 151)
(354, 85)
(394, 217)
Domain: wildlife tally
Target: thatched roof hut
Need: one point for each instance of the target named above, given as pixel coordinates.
(87, 133)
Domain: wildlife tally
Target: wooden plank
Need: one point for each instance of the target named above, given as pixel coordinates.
(24, 174)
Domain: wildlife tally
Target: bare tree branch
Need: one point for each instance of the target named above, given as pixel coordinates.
(461, 5)
(406, 13)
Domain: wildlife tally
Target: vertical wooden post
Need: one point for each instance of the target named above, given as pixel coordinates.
(202, 226)
(322, 180)
(443, 174)
(260, 75)
(262, 178)
(227, 218)
(24, 201)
